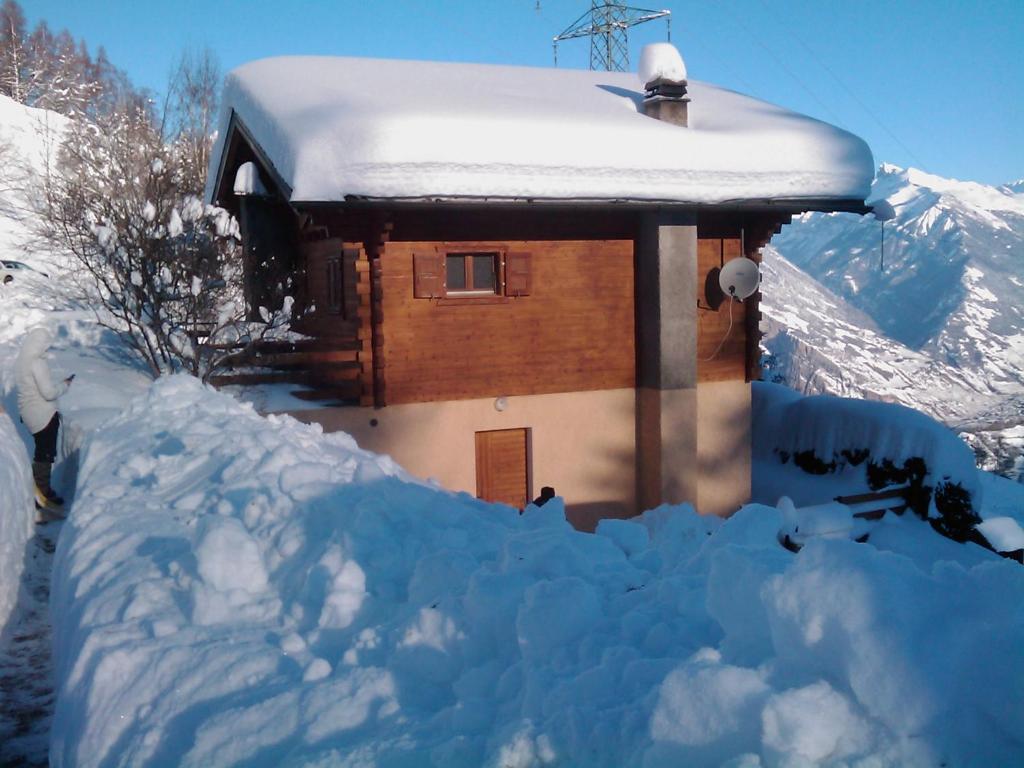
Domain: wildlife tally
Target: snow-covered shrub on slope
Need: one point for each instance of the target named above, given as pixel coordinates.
(882, 444)
(238, 590)
(16, 513)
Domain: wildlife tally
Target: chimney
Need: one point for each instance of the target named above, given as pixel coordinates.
(663, 75)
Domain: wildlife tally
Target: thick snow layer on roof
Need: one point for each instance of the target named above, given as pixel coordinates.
(337, 127)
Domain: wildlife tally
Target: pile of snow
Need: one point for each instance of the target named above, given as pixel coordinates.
(237, 589)
(16, 514)
(660, 61)
(335, 127)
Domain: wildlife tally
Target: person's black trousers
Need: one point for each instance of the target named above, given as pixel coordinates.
(46, 441)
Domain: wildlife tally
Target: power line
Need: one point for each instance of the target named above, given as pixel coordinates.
(842, 84)
(782, 64)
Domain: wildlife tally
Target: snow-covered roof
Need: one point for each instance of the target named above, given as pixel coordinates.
(335, 128)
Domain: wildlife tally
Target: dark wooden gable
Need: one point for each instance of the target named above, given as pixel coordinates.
(240, 147)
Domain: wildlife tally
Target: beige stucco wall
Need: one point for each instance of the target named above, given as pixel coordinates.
(584, 444)
(581, 443)
(723, 446)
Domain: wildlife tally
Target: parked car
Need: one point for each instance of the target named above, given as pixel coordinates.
(14, 266)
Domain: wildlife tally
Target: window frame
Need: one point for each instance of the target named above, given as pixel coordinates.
(455, 298)
(497, 260)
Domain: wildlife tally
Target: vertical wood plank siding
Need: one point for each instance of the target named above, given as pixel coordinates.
(574, 332)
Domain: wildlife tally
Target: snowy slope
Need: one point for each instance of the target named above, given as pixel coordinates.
(28, 143)
(25, 147)
(941, 328)
(1014, 187)
(46, 294)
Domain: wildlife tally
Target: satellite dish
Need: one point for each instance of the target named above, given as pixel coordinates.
(739, 278)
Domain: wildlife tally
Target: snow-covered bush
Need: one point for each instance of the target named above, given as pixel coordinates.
(884, 444)
(161, 269)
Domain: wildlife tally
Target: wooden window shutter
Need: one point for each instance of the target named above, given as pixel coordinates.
(428, 275)
(517, 274)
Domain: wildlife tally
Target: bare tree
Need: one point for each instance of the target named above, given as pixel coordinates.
(12, 50)
(54, 71)
(191, 112)
(159, 267)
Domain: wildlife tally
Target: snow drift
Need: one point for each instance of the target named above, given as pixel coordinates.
(16, 513)
(233, 589)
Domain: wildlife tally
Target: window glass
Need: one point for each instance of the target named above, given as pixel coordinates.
(456, 269)
(483, 272)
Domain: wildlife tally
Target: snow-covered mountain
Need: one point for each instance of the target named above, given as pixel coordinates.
(935, 322)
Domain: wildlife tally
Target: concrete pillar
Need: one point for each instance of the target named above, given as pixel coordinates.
(723, 446)
(666, 301)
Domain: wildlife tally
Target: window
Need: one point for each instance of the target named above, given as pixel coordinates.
(458, 273)
(471, 273)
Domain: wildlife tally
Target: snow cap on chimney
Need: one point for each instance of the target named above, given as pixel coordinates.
(661, 61)
(663, 75)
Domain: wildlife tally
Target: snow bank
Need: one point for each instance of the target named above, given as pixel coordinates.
(16, 514)
(236, 589)
(334, 127)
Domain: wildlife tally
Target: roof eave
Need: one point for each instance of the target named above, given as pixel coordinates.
(794, 205)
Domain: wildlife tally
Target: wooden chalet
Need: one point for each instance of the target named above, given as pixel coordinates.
(504, 272)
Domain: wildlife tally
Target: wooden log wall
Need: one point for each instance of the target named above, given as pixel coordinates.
(574, 332)
(371, 321)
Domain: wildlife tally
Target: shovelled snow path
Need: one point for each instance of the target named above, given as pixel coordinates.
(26, 668)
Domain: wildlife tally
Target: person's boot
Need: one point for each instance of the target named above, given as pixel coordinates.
(46, 497)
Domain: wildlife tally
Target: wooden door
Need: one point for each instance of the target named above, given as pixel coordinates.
(501, 467)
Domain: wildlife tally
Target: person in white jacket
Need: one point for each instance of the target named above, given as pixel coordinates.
(37, 404)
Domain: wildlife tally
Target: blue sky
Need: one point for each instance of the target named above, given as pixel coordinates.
(936, 84)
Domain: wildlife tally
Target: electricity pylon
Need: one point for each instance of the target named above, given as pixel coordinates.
(607, 25)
